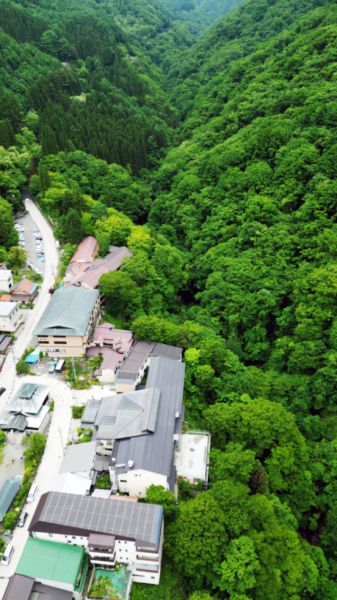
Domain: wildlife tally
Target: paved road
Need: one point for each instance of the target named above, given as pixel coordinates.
(49, 467)
(25, 333)
(59, 391)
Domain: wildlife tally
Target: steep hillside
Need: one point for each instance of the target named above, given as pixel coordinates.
(200, 14)
(81, 74)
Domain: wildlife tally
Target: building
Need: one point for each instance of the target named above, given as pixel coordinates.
(192, 456)
(68, 322)
(141, 460)
(113, 531)
(55, 565)
(113, 346)
(132, 370)
(90, 276)
(11, 317)
(21, 587)
(82, 259)
(77, 469)
(27, 409)
(6, 280)
(7, 494)
(25, 291)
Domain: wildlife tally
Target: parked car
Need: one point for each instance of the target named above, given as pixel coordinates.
(7, 555)
(22, 519)
(32, 493)
(2, 390)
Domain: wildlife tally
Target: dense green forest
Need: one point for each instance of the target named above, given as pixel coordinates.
(213, 158)
(199, 14)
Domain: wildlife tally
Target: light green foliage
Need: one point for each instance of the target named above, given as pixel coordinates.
(156, 494)
(239, 567)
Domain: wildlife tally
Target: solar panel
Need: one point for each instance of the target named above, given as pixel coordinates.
(99, 515)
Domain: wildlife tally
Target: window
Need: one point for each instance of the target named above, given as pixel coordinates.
(60, 342)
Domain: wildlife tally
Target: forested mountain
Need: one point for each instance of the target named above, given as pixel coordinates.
(200, 14)
(234, 240)
(75, 67)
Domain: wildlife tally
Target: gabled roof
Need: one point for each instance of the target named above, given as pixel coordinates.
(86, 250)
(29, 399)
(89, 278)
(81, 515)
(68, 312)
(127, 415)
(24, 287)
(78, 457)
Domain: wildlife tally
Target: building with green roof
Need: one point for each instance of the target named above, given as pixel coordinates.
(68, 322)
(51, 563)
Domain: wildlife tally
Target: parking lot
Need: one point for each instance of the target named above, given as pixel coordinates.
(31, 242)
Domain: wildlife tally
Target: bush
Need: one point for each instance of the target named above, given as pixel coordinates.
(77, 412)
(2, 438)
(103, 482)
(22, 368)
(9, 520)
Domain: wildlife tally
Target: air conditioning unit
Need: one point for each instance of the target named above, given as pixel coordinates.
(130, 464)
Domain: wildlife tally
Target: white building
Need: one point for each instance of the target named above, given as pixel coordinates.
(10, 317)
(112, 530)
(77, 469)
(6, 280)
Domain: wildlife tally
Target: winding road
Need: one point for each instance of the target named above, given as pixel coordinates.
(59, 391)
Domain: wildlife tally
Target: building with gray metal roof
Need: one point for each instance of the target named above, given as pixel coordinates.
(133, 368)
(7, 494)
(70, 514)
(153, 453)
(21, 587)
(79, 458)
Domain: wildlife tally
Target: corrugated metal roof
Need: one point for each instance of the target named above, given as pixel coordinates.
(166, 351)
(19, 587)
(135, 361)
(7, 494)
(154, 452)
(90, 412)
(68, 312)
(82, 515)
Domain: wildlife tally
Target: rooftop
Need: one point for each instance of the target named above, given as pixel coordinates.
(89, 278)
(154, 452)
(127, 415)
(135, 361)
(86, 250)
(24, 287)
(21, 587)
(78, 457)
(82, 515)
(6, 308)
(29, 399)
(5, 274)
(192, 456)
(7, 494)
(51, 561)
(68, 312)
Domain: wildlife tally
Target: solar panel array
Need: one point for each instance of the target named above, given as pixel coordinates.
(120, 518)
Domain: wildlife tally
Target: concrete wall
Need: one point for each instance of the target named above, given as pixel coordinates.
(136, 481)
(6, 280)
